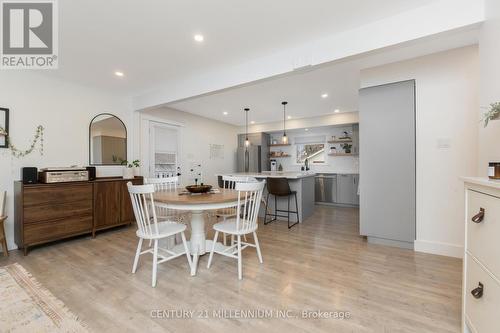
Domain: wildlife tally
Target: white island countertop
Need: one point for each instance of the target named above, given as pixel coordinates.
(274, 174)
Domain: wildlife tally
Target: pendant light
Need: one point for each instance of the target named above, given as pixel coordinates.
(284, 139)
(247, 142)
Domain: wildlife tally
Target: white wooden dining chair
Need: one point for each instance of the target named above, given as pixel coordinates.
(226, 213)
(150, 228)
(166, 184)
(163, 213)
(244, 223)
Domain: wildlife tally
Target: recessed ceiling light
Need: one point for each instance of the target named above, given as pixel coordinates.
(199, 38)
(336, 111)
(289, 117)
(307, 129)
(225, 113)
(252, 122)
(325, 95)
(120, 74)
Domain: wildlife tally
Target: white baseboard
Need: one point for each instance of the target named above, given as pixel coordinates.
(443, 249)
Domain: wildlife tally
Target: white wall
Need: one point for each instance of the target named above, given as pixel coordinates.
(65, 110)
(489, 52)
(196, 134)
(447, 99)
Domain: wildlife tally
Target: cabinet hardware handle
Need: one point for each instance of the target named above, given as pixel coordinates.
(479, 217)
(478, 292)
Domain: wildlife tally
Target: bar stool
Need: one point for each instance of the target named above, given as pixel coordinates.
(279, 187)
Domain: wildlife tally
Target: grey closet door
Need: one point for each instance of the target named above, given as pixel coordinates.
(387, 163)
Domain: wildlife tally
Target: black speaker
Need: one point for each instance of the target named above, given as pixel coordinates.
(29, 175)
(92, 172)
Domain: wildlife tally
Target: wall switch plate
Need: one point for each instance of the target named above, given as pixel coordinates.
(443, 143)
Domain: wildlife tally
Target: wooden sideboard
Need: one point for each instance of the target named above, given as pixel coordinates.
(50, 212)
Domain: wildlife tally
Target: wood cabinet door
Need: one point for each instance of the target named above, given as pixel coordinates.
(107, 203)
(126, 210)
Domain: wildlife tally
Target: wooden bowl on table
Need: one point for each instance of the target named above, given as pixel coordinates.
(199, 188)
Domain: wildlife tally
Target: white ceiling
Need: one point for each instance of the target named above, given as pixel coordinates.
(151, 41)
(303, 90)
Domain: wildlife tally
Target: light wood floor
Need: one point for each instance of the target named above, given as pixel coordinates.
(321, 264)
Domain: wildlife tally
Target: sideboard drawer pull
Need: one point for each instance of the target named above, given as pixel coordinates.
(478, 292)
(479, 217)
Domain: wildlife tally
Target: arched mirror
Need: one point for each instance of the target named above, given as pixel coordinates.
(107, 140)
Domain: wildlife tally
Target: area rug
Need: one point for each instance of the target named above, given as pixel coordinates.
(26, 306)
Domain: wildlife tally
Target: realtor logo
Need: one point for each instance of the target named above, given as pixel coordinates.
(29, 34)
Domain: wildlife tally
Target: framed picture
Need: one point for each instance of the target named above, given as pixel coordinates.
(4, 123)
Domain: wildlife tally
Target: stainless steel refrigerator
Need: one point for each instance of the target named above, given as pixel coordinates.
(252, 159)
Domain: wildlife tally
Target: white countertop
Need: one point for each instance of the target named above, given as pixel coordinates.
(482, 181)
(275, 174)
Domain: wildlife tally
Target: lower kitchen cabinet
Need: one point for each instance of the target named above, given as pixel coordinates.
(339, 189)
(345, 189)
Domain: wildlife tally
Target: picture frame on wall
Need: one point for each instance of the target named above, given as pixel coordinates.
(4, 123)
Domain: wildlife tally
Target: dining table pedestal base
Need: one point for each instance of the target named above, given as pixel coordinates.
(219, 247)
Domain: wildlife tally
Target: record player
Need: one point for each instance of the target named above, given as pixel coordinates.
(63, 175)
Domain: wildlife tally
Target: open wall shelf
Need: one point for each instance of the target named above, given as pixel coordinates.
(279, 145)
(342, 154)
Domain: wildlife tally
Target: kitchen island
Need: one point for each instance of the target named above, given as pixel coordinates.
(301, 182)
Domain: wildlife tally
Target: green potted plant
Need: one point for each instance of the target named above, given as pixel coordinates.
(347, 147)
(493, 113)
(130, 168)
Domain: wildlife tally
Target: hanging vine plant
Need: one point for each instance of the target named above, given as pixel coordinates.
(38, 138)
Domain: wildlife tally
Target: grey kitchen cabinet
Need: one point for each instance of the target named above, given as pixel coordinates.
(355, 198)
(387, 114)
(256, 139)
(346, 189)
(341, 189)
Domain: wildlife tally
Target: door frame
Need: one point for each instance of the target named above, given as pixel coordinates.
(145, 148)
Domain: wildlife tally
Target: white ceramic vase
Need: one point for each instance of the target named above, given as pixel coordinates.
(128, 173)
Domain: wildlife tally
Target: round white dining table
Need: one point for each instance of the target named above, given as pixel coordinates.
(197, 203)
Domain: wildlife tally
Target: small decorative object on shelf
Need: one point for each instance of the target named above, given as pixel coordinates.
(280, 167)
(345, 137)
(347, 148)
(493, 113)
(494, 170)
(128, 171)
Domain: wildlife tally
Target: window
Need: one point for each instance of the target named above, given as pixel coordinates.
(315, 153)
